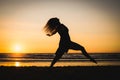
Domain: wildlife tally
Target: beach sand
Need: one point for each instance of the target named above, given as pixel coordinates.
(60, 73)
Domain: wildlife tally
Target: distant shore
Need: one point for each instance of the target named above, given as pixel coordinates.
(60, 73)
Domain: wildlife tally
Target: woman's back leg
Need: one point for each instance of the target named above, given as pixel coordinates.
(76, 46)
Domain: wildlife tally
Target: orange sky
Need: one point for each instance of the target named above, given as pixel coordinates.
(93, 24)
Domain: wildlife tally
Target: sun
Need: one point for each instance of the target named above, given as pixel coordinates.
(17, 48)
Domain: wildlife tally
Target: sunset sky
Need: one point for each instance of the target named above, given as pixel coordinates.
(95, 24)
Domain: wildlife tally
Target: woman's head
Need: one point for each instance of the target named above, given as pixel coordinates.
(52, 25)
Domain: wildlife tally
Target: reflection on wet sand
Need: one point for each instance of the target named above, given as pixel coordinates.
(17, 64)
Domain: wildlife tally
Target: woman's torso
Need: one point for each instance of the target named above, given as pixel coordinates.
(64, 34)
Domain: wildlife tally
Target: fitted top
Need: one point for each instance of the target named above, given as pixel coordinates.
(64, 33)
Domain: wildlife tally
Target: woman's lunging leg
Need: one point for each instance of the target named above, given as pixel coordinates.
(57, 57)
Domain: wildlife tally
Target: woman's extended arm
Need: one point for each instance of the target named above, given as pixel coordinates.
(54, 32)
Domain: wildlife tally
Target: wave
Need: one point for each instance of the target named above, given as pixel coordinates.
(36, 57)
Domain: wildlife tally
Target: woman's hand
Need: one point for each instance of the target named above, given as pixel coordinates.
(48, 34)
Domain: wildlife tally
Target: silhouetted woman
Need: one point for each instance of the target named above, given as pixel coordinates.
(53, 26)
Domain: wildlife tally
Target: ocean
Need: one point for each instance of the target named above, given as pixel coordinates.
(69, 59)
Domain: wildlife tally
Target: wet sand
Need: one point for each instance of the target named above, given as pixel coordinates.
(60, 73)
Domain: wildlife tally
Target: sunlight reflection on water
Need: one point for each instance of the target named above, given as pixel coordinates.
(41, 60)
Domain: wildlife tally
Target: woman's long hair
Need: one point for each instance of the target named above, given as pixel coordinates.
(51, 25)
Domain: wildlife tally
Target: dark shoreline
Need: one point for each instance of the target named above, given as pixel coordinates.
(60, 73)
